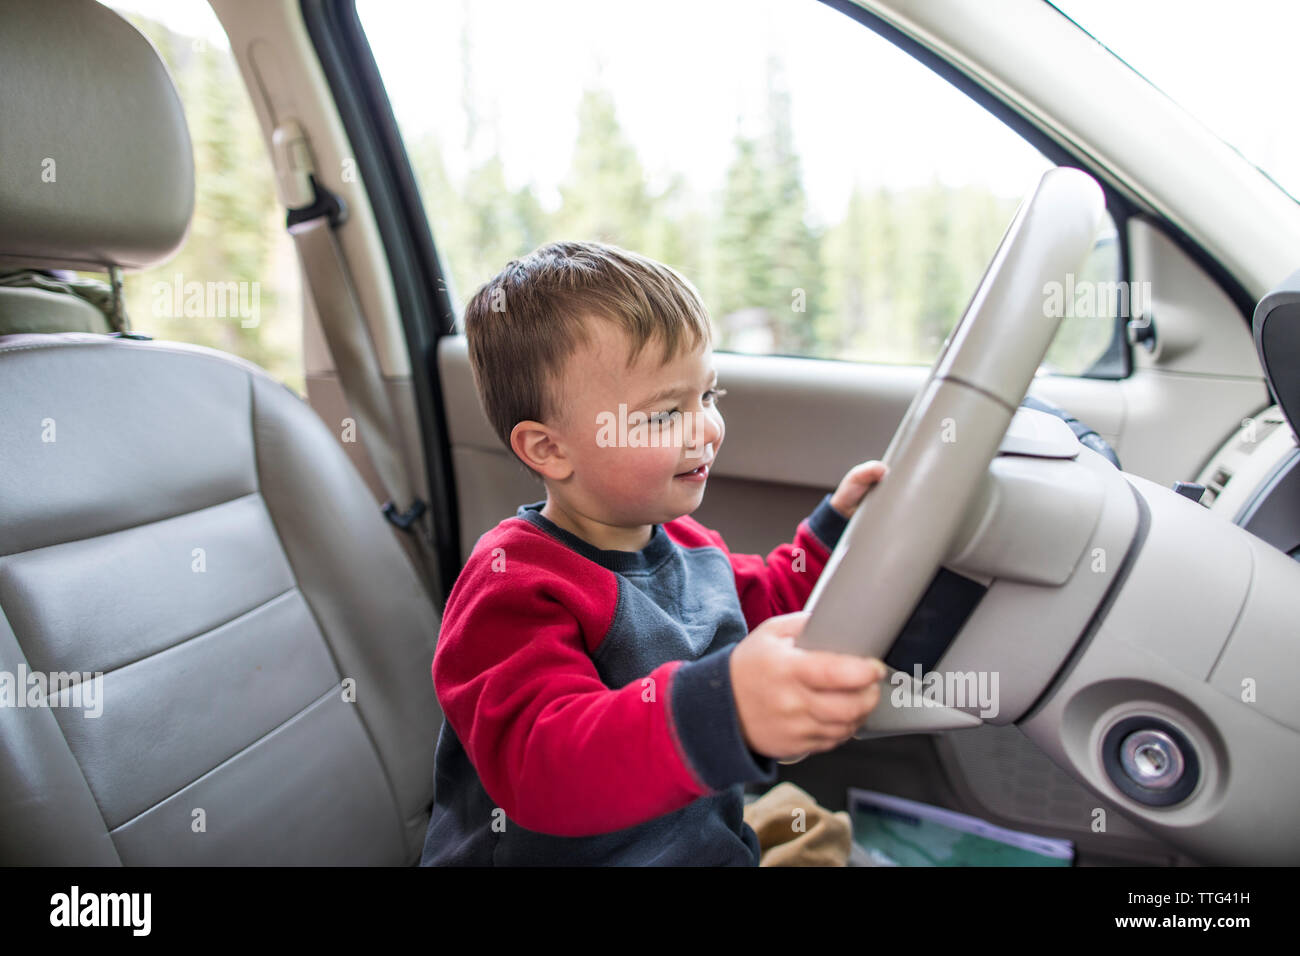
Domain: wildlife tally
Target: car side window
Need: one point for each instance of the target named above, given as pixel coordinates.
(830, 196)
(234, 285)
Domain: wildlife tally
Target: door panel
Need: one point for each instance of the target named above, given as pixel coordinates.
(795, 426)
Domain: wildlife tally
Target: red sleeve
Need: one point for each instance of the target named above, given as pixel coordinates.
(782, 582)
(555, 748)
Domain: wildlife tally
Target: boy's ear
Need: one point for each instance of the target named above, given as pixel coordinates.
(534, 443)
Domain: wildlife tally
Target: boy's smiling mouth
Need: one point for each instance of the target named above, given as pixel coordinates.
(696, 474)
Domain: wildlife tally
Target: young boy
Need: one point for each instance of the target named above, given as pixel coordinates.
(611, 674)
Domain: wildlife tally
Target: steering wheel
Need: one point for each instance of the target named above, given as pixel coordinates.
(903, 530)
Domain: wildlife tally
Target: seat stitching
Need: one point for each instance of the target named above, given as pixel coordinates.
(216, 627)
(94, 798)
(132, 527)
(399, 818)
(156, 346)
(325, 695)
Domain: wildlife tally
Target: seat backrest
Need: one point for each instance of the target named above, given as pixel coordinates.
(212, 648)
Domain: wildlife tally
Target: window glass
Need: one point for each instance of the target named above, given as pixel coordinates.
(235, 283)
(828, 195)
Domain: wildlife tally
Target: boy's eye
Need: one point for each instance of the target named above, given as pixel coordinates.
(667, 418)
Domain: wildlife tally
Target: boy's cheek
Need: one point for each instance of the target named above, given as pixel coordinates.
(645, 468)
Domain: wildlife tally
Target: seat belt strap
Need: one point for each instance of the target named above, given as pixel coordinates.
(348, 337)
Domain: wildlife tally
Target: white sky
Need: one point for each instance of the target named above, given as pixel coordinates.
(684, 71)
(680, 93)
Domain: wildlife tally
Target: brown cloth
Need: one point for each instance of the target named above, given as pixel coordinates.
(794, 830)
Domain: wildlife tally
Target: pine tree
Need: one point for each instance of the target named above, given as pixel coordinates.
(604, 197)
(769, 258)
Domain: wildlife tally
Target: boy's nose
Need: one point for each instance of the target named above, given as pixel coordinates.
(708, 434)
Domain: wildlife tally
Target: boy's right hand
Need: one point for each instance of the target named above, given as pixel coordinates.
(792, 702)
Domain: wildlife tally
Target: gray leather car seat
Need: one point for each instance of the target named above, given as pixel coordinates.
(177, 521)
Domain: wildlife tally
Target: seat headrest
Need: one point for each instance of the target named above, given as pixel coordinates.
(97, 167)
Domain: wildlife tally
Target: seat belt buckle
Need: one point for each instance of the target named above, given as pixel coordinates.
(404, 519)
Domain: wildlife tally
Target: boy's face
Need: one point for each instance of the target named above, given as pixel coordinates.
(595, 477)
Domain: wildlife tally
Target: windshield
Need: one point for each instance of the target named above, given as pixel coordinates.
(1229, 65)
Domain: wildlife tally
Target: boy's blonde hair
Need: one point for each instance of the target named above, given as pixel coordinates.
(523, 324)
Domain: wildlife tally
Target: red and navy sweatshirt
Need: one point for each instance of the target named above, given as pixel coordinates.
(587, 694)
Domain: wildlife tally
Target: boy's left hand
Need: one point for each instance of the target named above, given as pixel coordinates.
(855, 485)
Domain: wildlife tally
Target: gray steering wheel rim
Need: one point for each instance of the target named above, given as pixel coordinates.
(902, 531)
